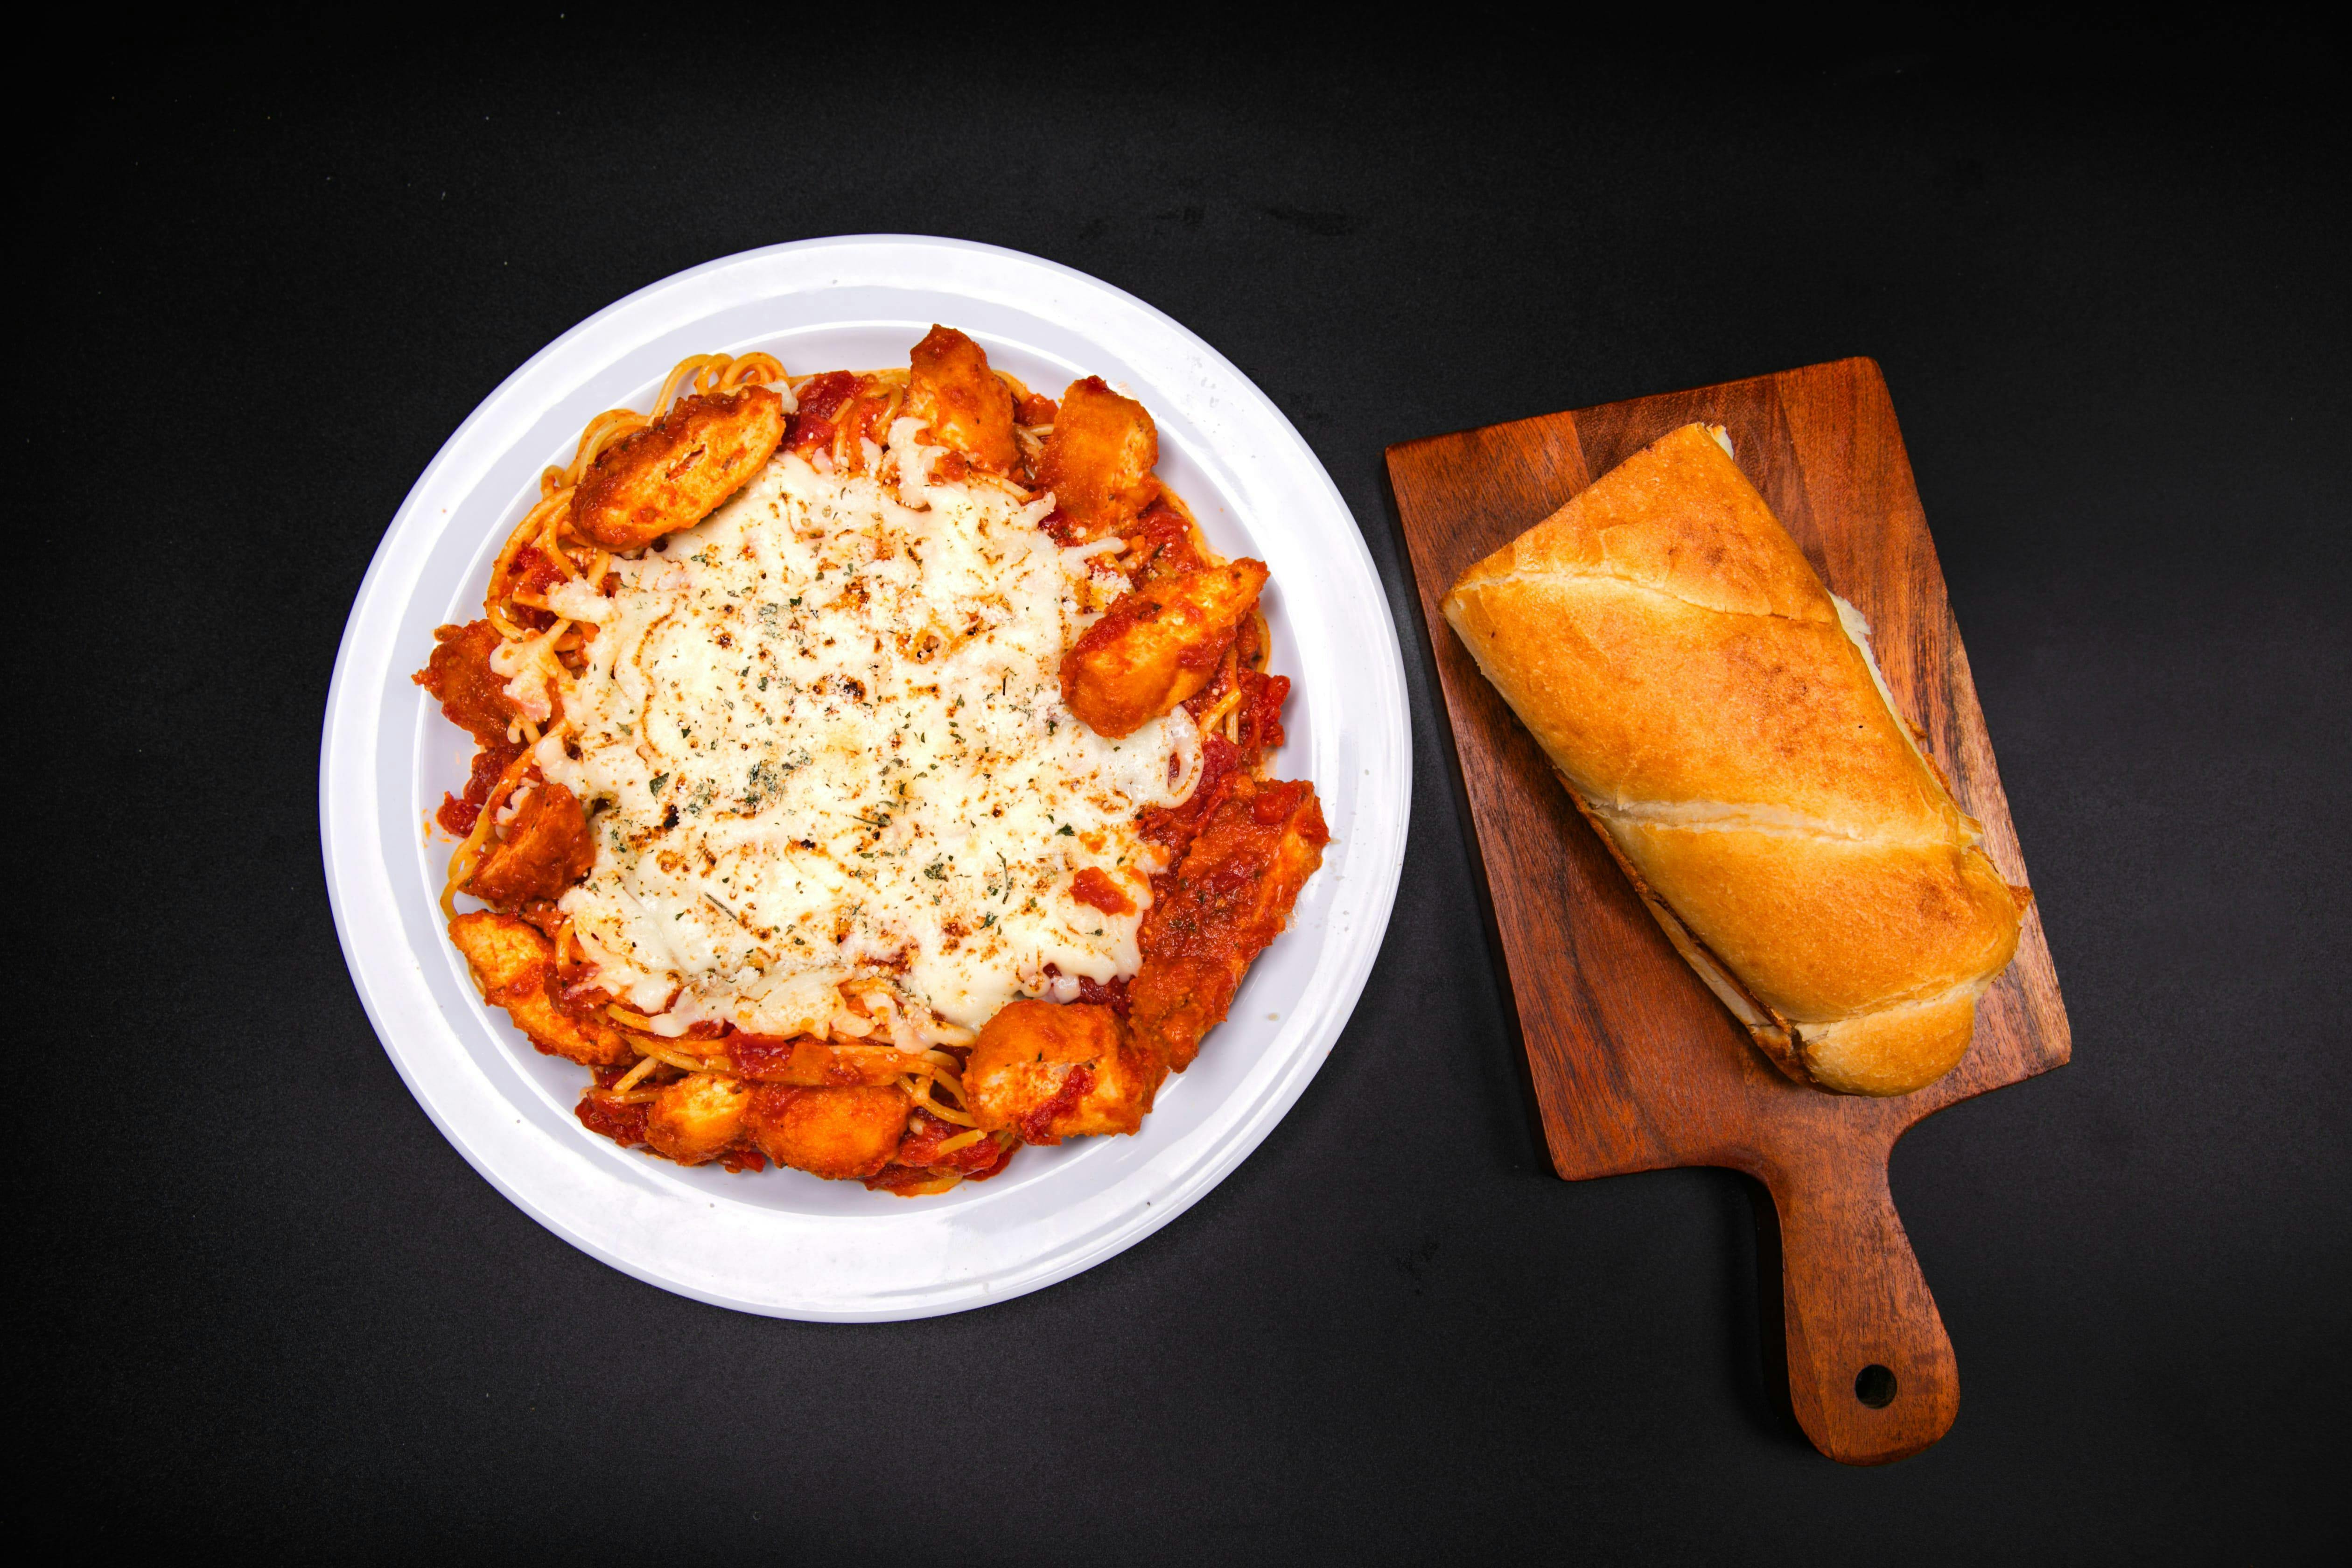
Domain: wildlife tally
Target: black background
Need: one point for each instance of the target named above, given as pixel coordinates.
(267, 1304)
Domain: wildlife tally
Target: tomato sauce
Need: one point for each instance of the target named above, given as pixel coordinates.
(1261, 711)
(1110, 993)
(760, 1057)
(801, 1060)
(459, 813)
(921, 1147)
(623, 1124)
(1174, 826)
(582, 1004)
(903, 1181)
(821, 400)
(1092, 888)
(531, 574)
(999, 1156)
(1170, 539)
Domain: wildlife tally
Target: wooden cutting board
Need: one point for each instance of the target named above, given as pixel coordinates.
(1636, 1066)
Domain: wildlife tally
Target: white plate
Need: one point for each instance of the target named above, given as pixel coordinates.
(784, 1243)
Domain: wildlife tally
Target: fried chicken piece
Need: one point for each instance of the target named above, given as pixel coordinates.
(842, 1134)
(1230, 898)
(1052, 1071)
(1098, 460)
(546, 847)
(1157, 645)
(967, 406)
(696, 1119)
(675, 473)
(458, 673)
(514, 965)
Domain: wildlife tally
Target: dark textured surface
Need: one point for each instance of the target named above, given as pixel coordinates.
(270, 1305)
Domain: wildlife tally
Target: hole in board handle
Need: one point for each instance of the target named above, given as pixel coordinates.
(1874, 1386)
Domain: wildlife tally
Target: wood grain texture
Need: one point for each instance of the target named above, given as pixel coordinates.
(1636, 1066)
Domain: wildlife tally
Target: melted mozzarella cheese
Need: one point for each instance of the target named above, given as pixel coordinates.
(822, 742)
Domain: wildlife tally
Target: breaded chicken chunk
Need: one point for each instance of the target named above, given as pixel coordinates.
(1157, 645)
(472, 696)
(967, 406)
(1053, 1070)
(1098, 460)
(515, 967)
(675, 473)
(844, 1134)
(545, 849)
(694, 1120)
(1231, 896)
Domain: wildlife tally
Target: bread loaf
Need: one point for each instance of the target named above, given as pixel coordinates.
(1715, 714)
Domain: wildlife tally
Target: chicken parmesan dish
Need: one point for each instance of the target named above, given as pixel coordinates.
(871, 770)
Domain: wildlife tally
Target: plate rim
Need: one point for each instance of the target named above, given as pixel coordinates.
(1386, 801)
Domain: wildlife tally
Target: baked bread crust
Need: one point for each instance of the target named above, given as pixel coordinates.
(1717, 719)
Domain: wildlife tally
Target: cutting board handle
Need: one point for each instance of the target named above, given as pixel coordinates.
(1871, 1374)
